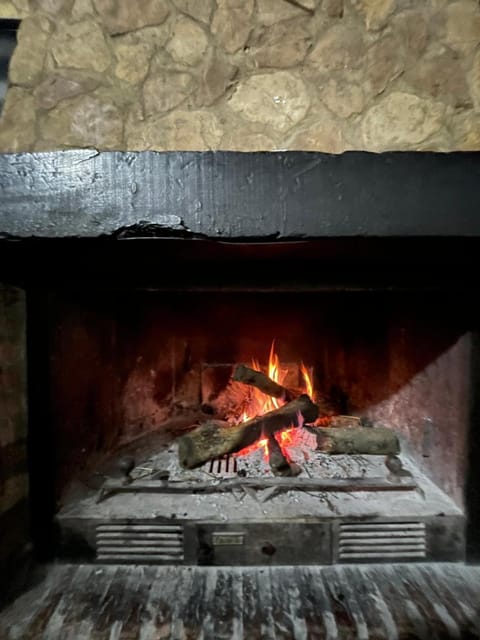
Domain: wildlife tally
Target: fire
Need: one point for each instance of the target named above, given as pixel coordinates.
(287, 437)
(259, 444)
(307, 380)
(274, 371)
(259, 403)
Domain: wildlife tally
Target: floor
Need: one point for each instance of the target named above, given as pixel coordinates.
(80, 602)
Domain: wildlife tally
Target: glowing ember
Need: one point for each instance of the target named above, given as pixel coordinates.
(259, 444)
(323, 421)
(287, 437)
(259, 403)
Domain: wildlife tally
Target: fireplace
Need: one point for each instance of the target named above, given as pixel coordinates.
(132, 372)
(136, 340)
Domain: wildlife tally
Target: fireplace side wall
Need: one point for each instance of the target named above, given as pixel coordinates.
(431, 412)
(13, 427)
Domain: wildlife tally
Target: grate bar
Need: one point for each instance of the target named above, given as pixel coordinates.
(379, 536)
(227, 465)
(118, 542)
(382, 555)
(398, 526)
(138, 559)
(350, 544)
(138, 550)
(118, 535)
(387, 547)
(139, 527)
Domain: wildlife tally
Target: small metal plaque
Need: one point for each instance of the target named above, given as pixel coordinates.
(223, 538)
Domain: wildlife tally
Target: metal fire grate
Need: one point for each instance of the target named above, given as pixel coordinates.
(138, 543)
(382, 541)
(223, 466)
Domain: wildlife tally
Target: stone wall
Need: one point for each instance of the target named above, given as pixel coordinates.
(13, 425)
(326, 75)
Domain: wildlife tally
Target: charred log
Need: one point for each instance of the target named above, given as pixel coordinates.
(266, 385)
(215, 439)
(361, 440)
(278, 462)
(257, 379)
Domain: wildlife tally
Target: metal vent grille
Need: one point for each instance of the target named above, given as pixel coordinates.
(226, 466)
(382, 541)
(139, 543)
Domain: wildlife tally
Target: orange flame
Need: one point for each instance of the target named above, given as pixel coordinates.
(259, 444)
(273, 364)
(259, 403)
(307, 380)
(287, 437)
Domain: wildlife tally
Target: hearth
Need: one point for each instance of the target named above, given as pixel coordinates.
(207, 390)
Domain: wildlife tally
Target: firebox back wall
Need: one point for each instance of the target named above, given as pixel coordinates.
(124, 364)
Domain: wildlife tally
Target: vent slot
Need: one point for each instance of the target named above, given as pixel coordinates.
(382, 540)
(139, 543)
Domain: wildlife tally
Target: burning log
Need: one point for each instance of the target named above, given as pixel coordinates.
(266, 385)
(262, 382)
(214, 439)
(278, 462)
(356, 440)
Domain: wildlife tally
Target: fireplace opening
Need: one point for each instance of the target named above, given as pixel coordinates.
(241, 360)
(124, 376)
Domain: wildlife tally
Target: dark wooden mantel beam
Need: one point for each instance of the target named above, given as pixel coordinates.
(238, 196)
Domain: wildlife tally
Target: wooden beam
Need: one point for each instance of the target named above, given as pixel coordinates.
(271, 196)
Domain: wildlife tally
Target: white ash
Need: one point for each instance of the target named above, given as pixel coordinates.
(264, 505)
(260, 505)
(254, 464)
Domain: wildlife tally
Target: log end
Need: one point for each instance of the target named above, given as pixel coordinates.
(240, 373)
(307, 408)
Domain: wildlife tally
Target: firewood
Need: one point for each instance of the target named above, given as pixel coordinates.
(266, 385)
(344, 421)
(278, 462)
(213, 439)
(257, 379)
(356, 440)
